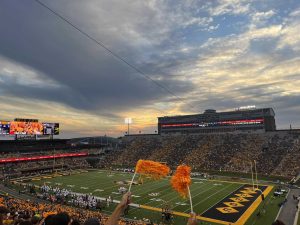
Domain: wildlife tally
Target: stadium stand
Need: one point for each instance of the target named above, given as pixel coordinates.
(276, 153)
(18, 211)
(37, 167)
(27, 146)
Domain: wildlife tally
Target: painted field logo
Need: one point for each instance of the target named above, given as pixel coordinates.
(244, 195)
(232, 207)
(233, 204)
(246, 191)
(239, 199)
(227, 210)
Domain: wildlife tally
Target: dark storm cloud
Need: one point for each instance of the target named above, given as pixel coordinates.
(88, 76)
(199, 50)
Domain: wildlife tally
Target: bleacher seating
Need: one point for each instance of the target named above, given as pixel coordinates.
(276, 153)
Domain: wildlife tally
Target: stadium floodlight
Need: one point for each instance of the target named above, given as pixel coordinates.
(128, 121)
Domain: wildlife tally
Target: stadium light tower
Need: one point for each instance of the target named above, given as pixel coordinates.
(128, 121)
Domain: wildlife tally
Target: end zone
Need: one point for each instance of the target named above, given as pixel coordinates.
(237, 207)
(234, 209)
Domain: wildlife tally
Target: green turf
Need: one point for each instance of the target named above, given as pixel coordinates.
(247, 175)
(205, 193)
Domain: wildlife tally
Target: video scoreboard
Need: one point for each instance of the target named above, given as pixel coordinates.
(4, 127)
(50, 128)
(28, 127)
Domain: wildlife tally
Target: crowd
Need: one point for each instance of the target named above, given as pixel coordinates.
(65, 196)
(22, 210)
(15, 211)
(32, 168)
(276, 153)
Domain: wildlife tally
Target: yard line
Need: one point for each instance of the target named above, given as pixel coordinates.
(210, 196)
(163, 196)
(91, 184)
(107, 188)
(154, 184)
(111, 187)
(201, 186)
(94, 184)
(197, 195)
(221, 199)
(138, 192)
(152, 190)
(177, 197)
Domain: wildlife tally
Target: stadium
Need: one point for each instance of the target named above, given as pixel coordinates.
(151, 112)
(239, 176)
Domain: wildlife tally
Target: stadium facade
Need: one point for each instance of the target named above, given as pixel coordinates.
(211, 121)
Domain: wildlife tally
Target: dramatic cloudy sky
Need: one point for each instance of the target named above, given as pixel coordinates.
(211, 53)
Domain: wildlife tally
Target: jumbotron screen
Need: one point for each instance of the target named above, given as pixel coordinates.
(28, 128)
(4, 127)
(50, 128)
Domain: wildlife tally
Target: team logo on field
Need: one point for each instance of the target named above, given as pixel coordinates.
(248, 191)
(244, 195)
(239, 199)
(227, 210)
(233, 204)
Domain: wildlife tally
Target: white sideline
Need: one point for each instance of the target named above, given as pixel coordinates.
(297, 214)
(281, 207)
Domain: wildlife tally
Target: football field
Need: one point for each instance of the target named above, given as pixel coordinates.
(215, 201)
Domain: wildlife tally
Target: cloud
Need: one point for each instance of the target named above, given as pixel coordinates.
(231, 7)
(261, 18)
(218, 54)
(200, 21)
(231, 73)
(13, 73)
(211, 28)
(290, 32)
(87, 76)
